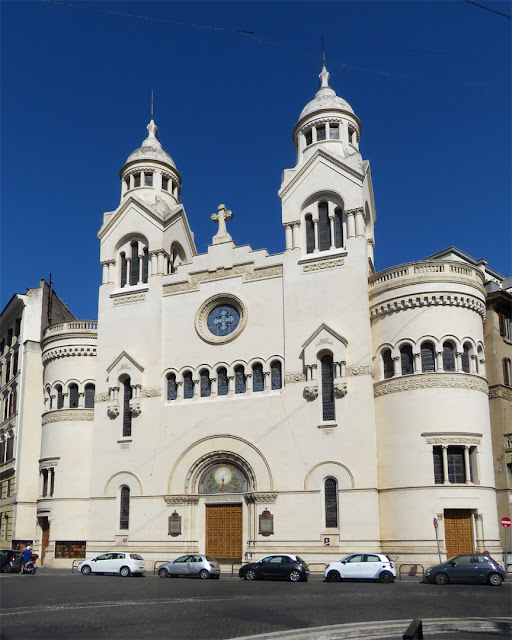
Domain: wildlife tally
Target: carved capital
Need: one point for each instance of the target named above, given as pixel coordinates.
(113, 410)
(135, 407)
(311, 392)
(340, 389)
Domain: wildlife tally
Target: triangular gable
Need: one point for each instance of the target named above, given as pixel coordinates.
(324, 338)
(324, 328)
(123, 356)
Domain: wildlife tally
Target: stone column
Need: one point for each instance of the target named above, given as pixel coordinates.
(231, 385)
(417, 362)
(337, 369)
(479, 525)
(81, 395)
(474, 364)
(397, 369)
(141, 262)
(439, 358)
(213, 387)
(313, 371)
(104, 278)
(308, 373)
(445, 464)
(179, 389)
(343, 370)
(331, 223)
(351, 226)
(315, 224)
(266, 379)
(111, 270)
(288, 235)
(359, 223)
(154, 263)
(295, 232)
(467, 465)
(458, 361)
(197, 388)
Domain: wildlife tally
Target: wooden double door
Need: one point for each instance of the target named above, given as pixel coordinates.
(457, 531)
(224, 531)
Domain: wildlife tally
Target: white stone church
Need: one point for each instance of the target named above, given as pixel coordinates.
(190, 419)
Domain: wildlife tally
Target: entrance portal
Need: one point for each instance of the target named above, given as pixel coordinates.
(224, 531)
(45, 536)
(457, 531)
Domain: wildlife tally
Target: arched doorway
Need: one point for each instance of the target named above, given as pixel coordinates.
(223, 486)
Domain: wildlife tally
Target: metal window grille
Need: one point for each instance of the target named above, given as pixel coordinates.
(310, 234)
(465, 358)
(258, 380)
(134, 264)
(428, 362)
(331, 502)
(320, 133)
(60, 398)
(145, 265)
(124, 269)
(240, 380)
(73, 396)
(456, 472)
(338, 229)
(324, 227)
(327, 387)
(222, 382)
(387, 362)
(172, 389)
(89, 396)
(127, 414)
(206, 385)
(448, 356)
(275, 375)
(124, 516)
(438, 465)
(188, 385)
(407, 360)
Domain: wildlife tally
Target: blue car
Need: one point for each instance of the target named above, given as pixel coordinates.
(471, 568)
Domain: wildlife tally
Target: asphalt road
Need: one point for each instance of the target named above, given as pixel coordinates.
(57, 604)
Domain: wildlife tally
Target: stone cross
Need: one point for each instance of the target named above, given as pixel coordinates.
(222, 235)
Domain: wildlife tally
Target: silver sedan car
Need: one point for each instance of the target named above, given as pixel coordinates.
(191, 565)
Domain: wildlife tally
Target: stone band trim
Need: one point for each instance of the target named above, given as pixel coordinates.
(328, 264)
(101, 397)
(68, 415)
(437, 381)
(127, 299)
(361, 370)
(182, 500)
(445, 300)
(449, 440)
(500, 391)
(151, 392)
(66, 352)
(294, 376)
(259, 498)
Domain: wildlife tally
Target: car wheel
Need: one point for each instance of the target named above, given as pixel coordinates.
(86, 570)
(334, 576)
(387, 577)
(6, 568)
(294, 576)
(204, 574)
(250, 574)
(125, 572)
(163, 573)
(441, 578)
(495, 579)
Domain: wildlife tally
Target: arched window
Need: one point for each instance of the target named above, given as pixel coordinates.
(466, 366)
(448, 356)
(222, 382)
(240, 379)
(387, 363)
(134, 264)
(258, 380)
(50, 398)
(407, 360)
(324, 227)
(327, 387)
(310, 234)
(188, 385)
(428, 359)
(276, 375)
(507, 373)
(206, 385)
(124, 515)
(60, 397)
(89, 396)
(331, 503)
(73, 396)
(172, 388)
(127, 414)
(145, 264)
(338, 228)
(124, 269)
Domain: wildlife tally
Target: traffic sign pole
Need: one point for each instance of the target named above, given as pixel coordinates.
(506, 523)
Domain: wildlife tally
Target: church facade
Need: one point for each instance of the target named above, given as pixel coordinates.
(189, 418)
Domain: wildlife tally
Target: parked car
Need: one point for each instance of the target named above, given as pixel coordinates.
(362, 566)
(123, 563)
(191, 565)
(474, 567)
(6, 557)
(289, 566)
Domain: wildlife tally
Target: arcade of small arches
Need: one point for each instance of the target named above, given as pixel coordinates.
(323, 130)
(70, 395)
(429, 355)
(149, 178)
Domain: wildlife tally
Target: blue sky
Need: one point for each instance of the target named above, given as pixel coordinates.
(430, 81)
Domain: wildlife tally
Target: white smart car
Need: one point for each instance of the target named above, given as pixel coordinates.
(125, 564)
(362, 566)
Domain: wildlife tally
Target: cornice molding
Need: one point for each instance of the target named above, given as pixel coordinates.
(68, 415)
(428, 300)
(436, 381)
(320, 154)
(500, 391)
(181, 500)
(68, 352)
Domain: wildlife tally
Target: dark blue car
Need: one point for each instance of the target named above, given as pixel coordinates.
(471, 568)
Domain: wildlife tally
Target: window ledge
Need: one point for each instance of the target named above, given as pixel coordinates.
(319, 256)
(327, 425)
(129, 289)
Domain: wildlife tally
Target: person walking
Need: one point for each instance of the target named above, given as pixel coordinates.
(26, 556)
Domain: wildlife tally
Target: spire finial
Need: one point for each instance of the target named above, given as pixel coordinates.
(323, 52)
(151, 104)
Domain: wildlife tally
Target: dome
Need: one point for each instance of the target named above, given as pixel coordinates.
(151, 149)
(325, 98)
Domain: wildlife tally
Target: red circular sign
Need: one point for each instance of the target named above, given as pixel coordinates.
(506, 522)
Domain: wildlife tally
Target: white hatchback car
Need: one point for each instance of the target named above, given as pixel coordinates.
(362, 566)
(123, 563)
